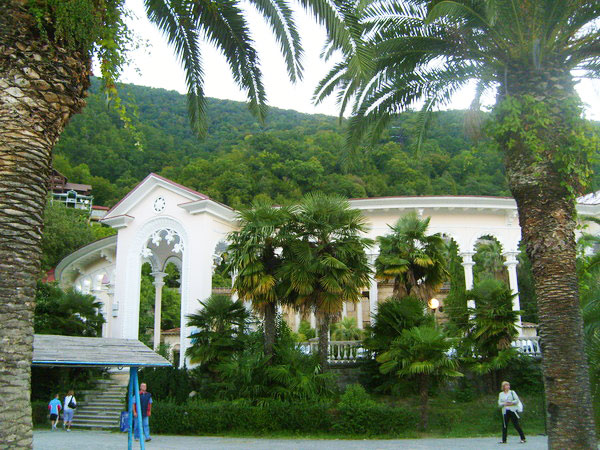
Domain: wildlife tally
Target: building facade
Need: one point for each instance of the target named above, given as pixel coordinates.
(162, 222)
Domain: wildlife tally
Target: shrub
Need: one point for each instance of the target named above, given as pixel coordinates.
(39, 412)
(358, 415)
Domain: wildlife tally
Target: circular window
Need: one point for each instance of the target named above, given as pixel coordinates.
(159, 204)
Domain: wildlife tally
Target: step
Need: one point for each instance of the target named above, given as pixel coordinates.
(98, 418)
(105, 405)
(110, 421)
(97, 407)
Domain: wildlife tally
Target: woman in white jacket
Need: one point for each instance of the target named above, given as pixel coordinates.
(511, 405)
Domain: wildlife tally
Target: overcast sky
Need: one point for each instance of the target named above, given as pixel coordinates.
(155, 65)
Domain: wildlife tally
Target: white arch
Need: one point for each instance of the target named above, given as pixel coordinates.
(133, 275)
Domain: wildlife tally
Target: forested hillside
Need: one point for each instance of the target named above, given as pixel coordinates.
(291, 154)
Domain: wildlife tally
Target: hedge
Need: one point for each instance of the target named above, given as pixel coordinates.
(200, 418)
(39, 413)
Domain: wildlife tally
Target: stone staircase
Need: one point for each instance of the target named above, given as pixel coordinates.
(101, 407)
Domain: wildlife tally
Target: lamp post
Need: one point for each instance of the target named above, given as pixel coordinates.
(433, 304)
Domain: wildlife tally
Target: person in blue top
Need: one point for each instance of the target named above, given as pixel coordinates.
(146, 408)
(54, 406)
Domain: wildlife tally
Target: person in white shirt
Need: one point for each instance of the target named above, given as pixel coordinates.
(70, 405)
(511, 406)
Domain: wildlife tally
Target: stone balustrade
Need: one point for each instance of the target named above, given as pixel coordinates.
(529, 346)
(341, 352)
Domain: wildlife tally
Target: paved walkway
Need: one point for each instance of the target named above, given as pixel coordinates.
(88, 440)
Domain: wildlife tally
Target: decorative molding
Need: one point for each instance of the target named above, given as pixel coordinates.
(210, 207)
(118, 222)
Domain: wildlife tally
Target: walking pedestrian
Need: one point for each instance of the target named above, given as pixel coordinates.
(69, 411)
(511, 406)
(54, 406)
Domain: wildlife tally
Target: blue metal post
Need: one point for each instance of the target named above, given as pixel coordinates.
(130, 409)
(138, 407)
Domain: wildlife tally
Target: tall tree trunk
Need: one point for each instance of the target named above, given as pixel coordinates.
(323, 341)
(41, 86)
(547, 218)
(424, 396)
(269, 325)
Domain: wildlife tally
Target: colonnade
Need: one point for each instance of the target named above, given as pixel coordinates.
(510, 261)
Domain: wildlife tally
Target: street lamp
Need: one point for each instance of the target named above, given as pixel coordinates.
(434, 304)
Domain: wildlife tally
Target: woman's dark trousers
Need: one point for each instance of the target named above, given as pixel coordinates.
(515, 420)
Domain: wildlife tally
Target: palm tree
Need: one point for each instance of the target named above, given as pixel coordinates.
(489, 262)
(219, 329)
(412, 259)
(528, 53)
(255, 254)
(346, 330)
(326, 264)
(421, 353)
(46, 50)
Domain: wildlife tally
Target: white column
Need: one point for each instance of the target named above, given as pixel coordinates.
(511, 264)
(298, 320)
(344, 310)
(313, 321)
(359, 313)
(373, 291)
(158, 285)
(468, 264)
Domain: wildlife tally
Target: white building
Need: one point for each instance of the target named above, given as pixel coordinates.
(161, 222)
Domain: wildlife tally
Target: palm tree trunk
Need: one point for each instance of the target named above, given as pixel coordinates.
(41, 86)
(424, 397)
(269, 326)
(323, 341)
(547, 218)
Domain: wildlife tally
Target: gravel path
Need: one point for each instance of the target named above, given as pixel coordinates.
(88, 440)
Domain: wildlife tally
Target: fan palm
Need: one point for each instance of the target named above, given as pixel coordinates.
(46, 50)
(219, 329)
(414, 260)
(326, 264)
(421, 353)
(530, 53)
(346, 330)
(255, 255)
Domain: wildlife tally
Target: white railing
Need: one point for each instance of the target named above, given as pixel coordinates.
(339, 351)
(352, 351)
(529, 346)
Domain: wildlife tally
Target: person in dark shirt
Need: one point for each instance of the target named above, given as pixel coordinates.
(146, 408)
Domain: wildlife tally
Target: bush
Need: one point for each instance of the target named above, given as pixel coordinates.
(168, 383)
(39, 412)
(203, 418)
(525, 374)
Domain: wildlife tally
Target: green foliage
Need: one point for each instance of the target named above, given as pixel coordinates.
(169, 383)
(89, 27)
(218, 331)
(419, 351)
(39, 412)
(392, 318)
(488, 259)
(494, 318)
(289, 375)
(199, 418)
(551, 131)
(346, 330)
(414, 260)
(65, 230)
(305, 330)
(67, 313)
(236, 164)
